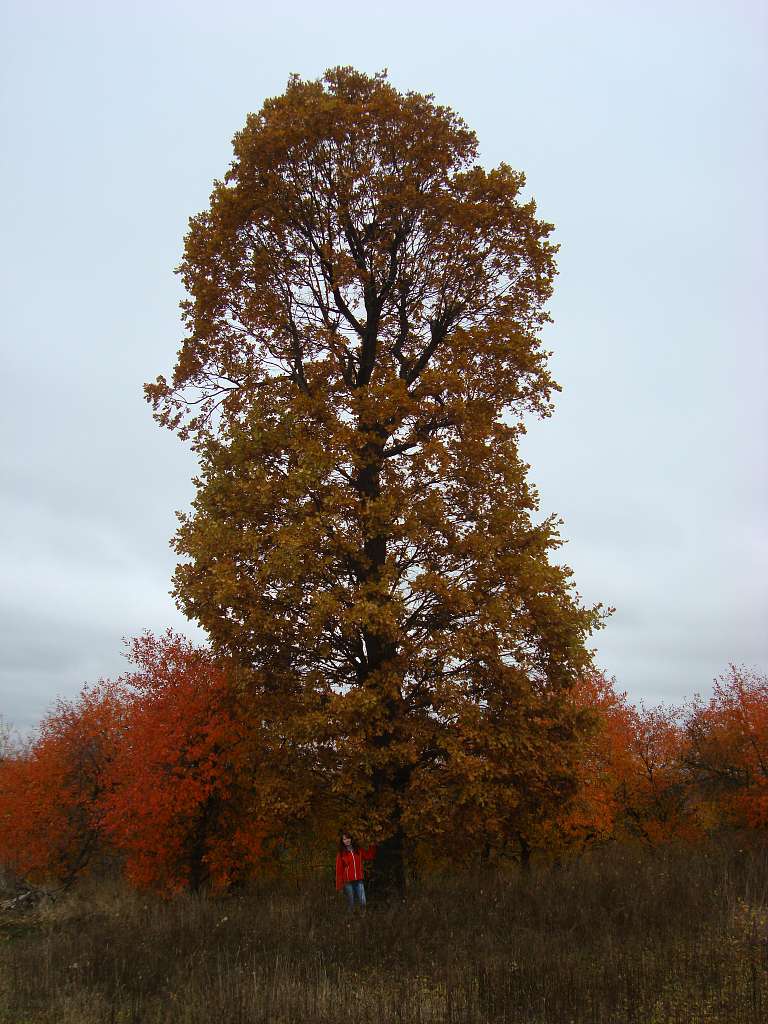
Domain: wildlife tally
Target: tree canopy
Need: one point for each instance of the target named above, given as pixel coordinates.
(363, 342)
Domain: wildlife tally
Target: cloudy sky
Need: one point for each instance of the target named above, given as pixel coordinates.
(642, 131)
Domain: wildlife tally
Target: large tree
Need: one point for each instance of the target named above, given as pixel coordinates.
(363, 342)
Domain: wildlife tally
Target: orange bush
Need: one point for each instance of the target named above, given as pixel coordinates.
(632, 784)
(51, 794)
(727, 748)
(178, 809)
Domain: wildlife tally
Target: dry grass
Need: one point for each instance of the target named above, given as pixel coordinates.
(678, 938)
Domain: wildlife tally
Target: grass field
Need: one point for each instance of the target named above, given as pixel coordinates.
(677, 936)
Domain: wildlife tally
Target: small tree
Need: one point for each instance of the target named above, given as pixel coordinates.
(52, 791)
(189, 793)
(727, 748)
(363, 340)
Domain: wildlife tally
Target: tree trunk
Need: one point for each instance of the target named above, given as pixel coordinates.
(198, 870)
(388, 874)
(525, 853)
(377, 661)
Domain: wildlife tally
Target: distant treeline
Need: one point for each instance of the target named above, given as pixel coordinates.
(182, 774)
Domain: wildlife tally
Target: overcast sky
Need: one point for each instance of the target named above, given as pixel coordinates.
(642, 131)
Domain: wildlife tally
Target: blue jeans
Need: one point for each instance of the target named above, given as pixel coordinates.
(353, 889)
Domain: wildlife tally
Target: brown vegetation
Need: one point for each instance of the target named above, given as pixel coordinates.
(677, 937)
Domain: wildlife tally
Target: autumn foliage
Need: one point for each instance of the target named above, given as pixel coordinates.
(630, 784)
(160, 771)
(165, 774)
(655, 775)
(726, 748)
(393, 647)
(178, 806)
(363, 319)
(52, 795)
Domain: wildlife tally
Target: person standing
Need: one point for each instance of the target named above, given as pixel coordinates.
(349, 869)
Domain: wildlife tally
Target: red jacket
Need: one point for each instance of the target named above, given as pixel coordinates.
(349, 866)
